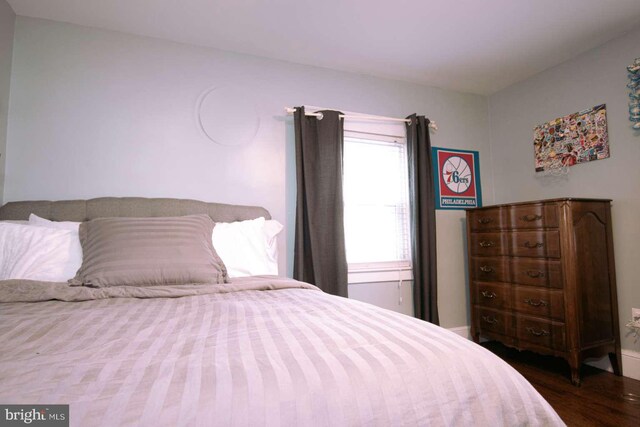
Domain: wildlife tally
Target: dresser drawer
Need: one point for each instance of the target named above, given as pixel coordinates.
(536, 272)
(538, 302)
(544, 244)
(541, 332)
(492, 295)
(489, 269)
(488, 244)
(533, 216)
(494, 321)
(487, 219)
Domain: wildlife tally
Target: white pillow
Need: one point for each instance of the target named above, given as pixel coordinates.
(61, 225)
(271, 230)
(38, 253)
(248, 248)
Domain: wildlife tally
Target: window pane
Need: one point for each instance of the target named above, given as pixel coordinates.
(376, 202)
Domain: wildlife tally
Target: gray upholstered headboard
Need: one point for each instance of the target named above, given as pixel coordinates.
(83, 210)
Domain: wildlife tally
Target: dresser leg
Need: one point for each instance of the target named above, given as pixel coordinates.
(475, 336)
(616, 362)
(575, 376)
(574, 363)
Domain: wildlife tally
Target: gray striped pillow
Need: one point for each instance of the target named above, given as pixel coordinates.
(148, 251)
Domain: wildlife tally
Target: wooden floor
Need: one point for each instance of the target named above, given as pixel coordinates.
(603, 399)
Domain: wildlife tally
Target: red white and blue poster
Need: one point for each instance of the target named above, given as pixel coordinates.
(457, 178)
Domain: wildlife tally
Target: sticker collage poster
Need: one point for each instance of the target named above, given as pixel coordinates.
(576, 138)
(457, 178)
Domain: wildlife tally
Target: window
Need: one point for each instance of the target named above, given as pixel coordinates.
(376, 205)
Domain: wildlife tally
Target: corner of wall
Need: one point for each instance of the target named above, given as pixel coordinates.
(7, 31)
(490, 132)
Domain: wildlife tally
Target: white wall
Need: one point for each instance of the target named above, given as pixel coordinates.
(7, 21)
(396, 296)
(100, 113)
(596, 77)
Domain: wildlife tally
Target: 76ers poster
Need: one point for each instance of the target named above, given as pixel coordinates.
(457, 178)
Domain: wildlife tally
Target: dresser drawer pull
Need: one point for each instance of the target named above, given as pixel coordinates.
(539, 333)
(530, 245)
(485, 220)
(486, 269)
(488, 294)
(490, 320)
(536, 303)
(531, 218)
(486, 244)
(535, 274)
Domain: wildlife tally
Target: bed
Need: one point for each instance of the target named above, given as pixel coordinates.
(261, 350)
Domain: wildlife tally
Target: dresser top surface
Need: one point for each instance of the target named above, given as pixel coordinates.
(533, 202)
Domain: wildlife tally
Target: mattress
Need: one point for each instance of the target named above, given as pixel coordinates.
(256, 351)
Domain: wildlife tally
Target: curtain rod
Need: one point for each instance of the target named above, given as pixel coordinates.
(291, 110)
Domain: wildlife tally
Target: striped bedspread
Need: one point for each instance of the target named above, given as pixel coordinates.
(261, 351)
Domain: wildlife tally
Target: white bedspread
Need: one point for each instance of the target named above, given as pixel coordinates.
(261, 351)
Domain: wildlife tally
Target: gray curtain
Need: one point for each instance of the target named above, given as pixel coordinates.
(319, 254)
(423, 220)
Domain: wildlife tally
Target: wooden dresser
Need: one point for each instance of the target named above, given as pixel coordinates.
(542, 278)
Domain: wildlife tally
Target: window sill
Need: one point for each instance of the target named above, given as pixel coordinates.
(376, 275)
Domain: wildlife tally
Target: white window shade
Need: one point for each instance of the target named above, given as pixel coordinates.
(376, 201)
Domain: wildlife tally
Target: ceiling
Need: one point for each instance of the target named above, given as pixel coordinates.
(465, 45)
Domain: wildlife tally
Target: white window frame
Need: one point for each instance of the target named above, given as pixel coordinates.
(385, 271)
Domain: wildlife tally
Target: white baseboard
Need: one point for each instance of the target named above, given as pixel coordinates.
(463, 331)
(630, 364)
(630, 358)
